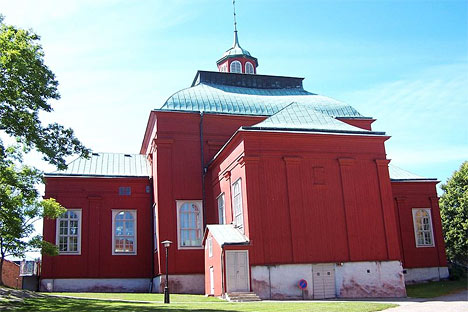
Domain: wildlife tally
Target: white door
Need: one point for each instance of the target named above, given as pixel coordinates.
(237, 271)
(323, 281)
(211, 281)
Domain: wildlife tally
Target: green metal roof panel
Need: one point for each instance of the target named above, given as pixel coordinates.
(305, 117)
(228, 99)
(398, 174)
(107, 165)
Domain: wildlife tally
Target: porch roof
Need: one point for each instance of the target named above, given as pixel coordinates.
(226, 234)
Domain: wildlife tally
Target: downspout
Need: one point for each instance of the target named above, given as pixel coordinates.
(153, 205)
(202, 168)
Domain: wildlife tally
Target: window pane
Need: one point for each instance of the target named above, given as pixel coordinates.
(119, 228)
(119, 244)
(129, 245)
(119, 216)
(73, 227)
(129, 228)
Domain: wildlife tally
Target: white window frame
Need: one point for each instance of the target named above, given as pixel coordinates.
(221, 210)
(57, 233)
(249, 65)
(231, 67)
(416, 230)
(179, 204)
(115, 212)
(210, 246)
(235, 215)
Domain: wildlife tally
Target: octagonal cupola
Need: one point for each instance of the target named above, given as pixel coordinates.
(237, 59)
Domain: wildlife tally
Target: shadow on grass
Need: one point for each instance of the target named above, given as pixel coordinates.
(66, 304)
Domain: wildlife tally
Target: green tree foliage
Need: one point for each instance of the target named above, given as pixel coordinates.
(26, 85)
(20, 207)
(454, 213)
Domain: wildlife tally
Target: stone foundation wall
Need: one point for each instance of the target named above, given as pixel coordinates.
(418, 275)
(95, 285)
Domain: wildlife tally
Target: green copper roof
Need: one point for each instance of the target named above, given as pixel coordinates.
(240, 94)
(297, 116)
(400, 175)
(107, 165)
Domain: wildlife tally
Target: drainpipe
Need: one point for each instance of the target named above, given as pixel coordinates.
(269, 278)
(202, 168)
(152, 239)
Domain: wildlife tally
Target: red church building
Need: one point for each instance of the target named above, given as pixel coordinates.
(259, 184)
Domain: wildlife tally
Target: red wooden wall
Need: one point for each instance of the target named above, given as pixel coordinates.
(409, 195)
(311, 197)
(97, 197)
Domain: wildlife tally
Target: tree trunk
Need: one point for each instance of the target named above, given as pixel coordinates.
(2, 255)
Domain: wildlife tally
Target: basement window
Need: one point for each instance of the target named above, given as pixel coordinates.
(68, 237)
(190, 224)
(423, 232)
(124, 231)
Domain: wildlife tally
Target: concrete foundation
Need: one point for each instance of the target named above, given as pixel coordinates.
(95, 285)
(370, 279)
(181, 284)
(352, 280)
(418, 275)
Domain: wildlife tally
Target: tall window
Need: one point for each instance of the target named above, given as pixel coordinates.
(124, 229)
(221, 209)
(190, 223)
(423, 227)
(69, 232)
(235, 67)
(249, 69)
(237, 205)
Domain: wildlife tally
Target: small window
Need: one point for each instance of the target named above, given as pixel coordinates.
(235, 67)
(125, 191)
(249, 69)
(237, 205)
(221, 219)
(69, 232)
(423, 227)
(210, 247)
(190, 224)
(124, 232)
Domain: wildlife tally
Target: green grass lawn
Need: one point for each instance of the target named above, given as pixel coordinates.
(175, 298)
(436, 289)
(180, 303)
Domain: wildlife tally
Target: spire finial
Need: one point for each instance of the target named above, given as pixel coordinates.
(234, 10)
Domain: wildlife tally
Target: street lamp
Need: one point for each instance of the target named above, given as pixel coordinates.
(166, 244)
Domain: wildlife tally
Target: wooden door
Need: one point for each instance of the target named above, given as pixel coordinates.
(237, 271)
(323, 281)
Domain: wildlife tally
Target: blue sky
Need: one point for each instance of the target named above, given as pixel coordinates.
(404, 63)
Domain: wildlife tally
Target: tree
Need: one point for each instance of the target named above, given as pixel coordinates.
(454, 214)
(26, 86)
(20, 207)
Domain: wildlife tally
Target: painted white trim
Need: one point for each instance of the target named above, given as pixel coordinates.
(429, 212)
(248, 267)
(135, 247)
(245, 69)
(179, 204)
(57, 231)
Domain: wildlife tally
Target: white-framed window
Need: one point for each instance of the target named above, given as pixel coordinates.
(124, 232)
(190, 223)
(210, 247)
(68, 236)
(238, 212)
(221, 217)
(235, 67)
(223, 68)
(249, 69)
(423, 232)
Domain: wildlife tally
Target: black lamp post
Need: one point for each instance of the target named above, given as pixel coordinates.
(166, 244)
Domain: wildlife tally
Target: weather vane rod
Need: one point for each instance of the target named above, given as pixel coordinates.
(234, 8)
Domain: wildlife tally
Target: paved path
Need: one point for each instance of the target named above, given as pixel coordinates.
(451, 303)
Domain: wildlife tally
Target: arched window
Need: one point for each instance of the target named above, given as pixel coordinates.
(423, 227)
(190, 223)
(235, 67)
(249, 69)
(124, 228)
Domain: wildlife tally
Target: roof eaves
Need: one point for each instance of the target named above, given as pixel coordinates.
(72, 175)
(415, 180)
(282, 129)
